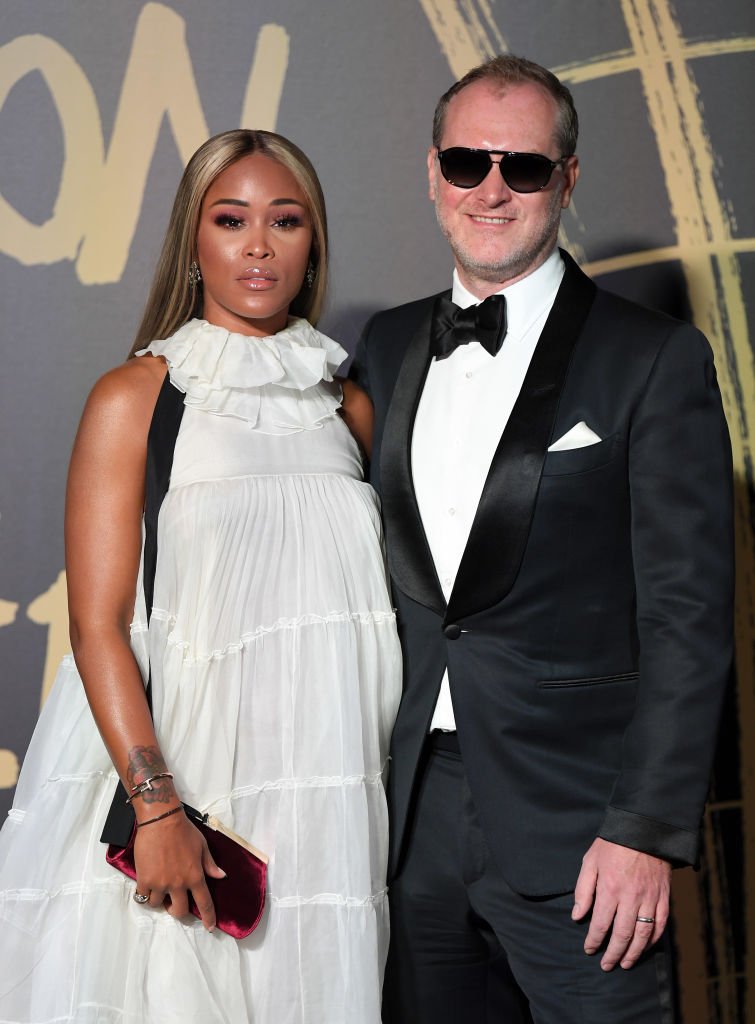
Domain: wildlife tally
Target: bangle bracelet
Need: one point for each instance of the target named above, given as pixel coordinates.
(167, 814)
(146, 786)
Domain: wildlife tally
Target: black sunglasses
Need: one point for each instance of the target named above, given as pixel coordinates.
(522, 172)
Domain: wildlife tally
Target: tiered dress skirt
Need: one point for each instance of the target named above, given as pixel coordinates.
(276, 678)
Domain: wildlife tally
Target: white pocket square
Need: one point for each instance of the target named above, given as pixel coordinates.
(580, 436)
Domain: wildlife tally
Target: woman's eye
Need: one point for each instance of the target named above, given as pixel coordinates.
(228, 220)
(288, 220)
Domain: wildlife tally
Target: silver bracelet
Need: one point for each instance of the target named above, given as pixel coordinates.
(146, 786)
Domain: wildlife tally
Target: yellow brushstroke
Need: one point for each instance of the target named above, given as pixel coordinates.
(76, 105)
(51, 609)
(648, 257)
(8, 611)
(265, 85)
(598, 67)
(621, 61)
(708, 254)
(703, 232)
(718, 47)
(8, 769)
(159, 82)
(496, 39)
(8, 760)
(460, 34)
(100, 193)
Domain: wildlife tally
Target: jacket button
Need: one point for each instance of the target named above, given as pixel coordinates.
(452, 631)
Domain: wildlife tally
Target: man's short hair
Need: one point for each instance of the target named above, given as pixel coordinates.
(504, 71)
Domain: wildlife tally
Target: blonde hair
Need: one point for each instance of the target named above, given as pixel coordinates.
(173, 298)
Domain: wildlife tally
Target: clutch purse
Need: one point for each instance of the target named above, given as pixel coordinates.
(239, 898)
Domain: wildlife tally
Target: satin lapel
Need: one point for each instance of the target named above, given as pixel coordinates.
(409, 557)
(502, 523)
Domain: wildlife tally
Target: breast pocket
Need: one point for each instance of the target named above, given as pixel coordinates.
(582, 460)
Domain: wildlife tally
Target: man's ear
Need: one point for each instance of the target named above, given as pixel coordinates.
(571, 173)
(432, 171)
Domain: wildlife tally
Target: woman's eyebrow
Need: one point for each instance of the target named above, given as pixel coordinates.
(242, 202)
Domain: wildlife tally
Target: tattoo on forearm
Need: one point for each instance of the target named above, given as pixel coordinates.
(143, 763)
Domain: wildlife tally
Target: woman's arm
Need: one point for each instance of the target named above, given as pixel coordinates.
(357, 411)
(104, 505)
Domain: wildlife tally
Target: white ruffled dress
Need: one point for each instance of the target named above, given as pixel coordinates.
(276, 677)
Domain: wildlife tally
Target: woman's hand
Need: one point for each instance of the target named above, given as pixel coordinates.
(172, 859)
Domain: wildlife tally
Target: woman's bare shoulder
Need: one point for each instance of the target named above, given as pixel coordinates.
(129, 389)
(119, 408)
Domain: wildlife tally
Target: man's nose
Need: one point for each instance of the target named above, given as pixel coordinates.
(493, 187)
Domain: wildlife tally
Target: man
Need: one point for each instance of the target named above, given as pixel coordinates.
(555, 473)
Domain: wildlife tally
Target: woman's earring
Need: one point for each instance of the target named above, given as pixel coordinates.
(309, 277)
(195, 274)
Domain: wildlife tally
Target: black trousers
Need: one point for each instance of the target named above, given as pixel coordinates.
(466, 949)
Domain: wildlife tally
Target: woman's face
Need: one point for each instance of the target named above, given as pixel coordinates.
(253, 245)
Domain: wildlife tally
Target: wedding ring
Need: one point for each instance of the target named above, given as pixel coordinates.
(646, 920)
(139, 897)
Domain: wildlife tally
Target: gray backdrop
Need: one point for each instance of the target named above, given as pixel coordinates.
(102, 104)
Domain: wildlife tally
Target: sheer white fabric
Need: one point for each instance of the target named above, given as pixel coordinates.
(276, 676)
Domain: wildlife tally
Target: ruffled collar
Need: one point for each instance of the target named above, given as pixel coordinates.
(277, 384)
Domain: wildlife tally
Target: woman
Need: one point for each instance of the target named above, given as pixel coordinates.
(271, 645)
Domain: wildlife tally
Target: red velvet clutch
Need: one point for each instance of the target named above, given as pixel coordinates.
(239, 898)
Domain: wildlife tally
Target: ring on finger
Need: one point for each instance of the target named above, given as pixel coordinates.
(645, 920)
(141, 898)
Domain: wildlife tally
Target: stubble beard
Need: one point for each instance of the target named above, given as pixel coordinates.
(517, 261)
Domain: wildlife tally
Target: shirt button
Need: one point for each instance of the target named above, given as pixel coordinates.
(452, 511)
(469, 374)
(447, 581)
(452, 631)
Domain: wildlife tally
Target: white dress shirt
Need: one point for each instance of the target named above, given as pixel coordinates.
(465, 405)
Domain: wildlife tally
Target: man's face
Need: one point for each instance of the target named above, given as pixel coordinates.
(497, 235)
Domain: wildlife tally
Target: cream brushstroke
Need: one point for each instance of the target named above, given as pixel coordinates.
(8, 611)
(460, 34)
(715, 292)
(575, 250)
(718, 307)
(8, 760)
(51, 609)
(8, 769)
(718, 47)
(496, 39)
(83, 151)
(158, 82)
(265, 86)
(100, 194)
(648, 257)
(465, 42)
(621, 61)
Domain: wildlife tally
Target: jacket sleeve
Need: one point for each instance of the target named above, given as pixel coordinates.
(680, 478)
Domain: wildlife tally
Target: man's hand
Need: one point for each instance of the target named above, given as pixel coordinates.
(621, 885)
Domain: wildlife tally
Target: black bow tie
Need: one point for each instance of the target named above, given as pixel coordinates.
(453, 326)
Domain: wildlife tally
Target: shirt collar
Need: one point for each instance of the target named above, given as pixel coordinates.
(525, 297)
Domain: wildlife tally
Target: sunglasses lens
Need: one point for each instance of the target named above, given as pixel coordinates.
(526, 172)
(522, 172)
(464, 168)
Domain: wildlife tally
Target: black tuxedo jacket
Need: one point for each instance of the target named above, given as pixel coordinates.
(588, 636)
